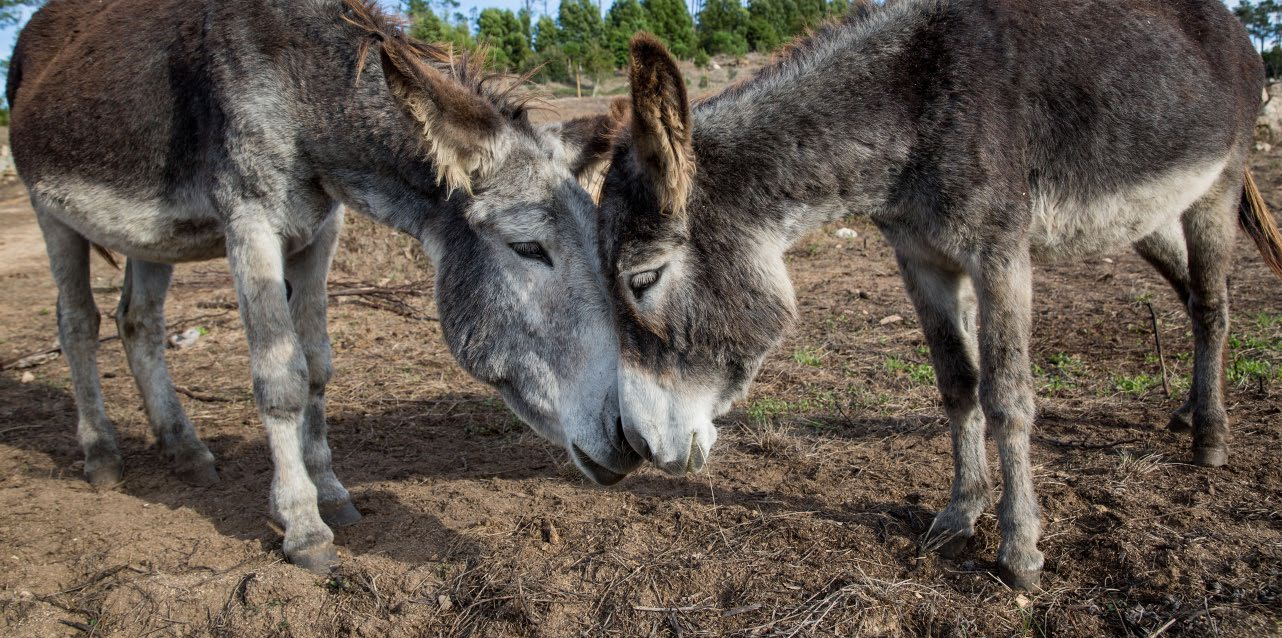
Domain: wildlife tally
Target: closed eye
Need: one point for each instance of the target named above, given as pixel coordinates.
(643, 280)
(531, 250)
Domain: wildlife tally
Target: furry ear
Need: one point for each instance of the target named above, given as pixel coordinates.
(662, 134)
(461, 130)
(590, 142)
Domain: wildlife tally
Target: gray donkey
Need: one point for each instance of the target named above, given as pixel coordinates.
(181, 130)
(980, 136)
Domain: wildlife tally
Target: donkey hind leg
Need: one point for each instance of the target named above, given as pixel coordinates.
(945, 305)
(279, 371)
(1165, 250)
(1004, 283)
(307, 272)
(78, 323)
(140, 319)
(1210, 227)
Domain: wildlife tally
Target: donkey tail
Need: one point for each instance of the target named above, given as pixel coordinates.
(1253, 215)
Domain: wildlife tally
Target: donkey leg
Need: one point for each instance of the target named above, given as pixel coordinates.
(1209, 229)
(280, 374)
(945, 305)
(1165, 250)
(78, 323)
(1004, 284)
(140, 319)
(307, 272)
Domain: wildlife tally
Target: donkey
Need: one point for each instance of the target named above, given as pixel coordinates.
(979, 136)
(183, 130)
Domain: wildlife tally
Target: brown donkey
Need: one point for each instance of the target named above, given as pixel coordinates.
(182, 130)
(980, 136)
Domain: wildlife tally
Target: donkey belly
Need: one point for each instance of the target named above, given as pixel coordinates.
(152, 229)
(1068, 222)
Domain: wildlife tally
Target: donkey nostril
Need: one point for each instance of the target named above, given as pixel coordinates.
(637, 442)
(696, 460)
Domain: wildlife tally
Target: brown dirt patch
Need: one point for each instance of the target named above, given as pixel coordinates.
(804, 524)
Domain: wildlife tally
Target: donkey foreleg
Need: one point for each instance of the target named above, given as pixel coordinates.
(307, 271)
(1004, 284)
(945, 305)
(280, 375)
(78, 323)
(140, 318)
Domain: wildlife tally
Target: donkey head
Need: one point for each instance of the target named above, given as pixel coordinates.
(520, 294)
(700, 292)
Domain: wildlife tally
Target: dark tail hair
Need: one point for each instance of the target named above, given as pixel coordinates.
(1253, 215)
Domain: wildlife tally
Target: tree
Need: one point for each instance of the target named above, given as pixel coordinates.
(503, 32)
(427, 25)
(768, 23)
(723, 27)
(625, 19)
(671, 21)
(11, 10)
(1261, 20)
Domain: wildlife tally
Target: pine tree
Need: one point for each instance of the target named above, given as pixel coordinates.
(671, 21)
(625, 19)
(503, 33)
(723, 27)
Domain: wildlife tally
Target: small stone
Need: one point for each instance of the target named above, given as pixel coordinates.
(550, 534)
(886, 321)
(187, 339)
(1107, 260)
(444, 602)
(27, 377)
(1022, 601)
(846, 233)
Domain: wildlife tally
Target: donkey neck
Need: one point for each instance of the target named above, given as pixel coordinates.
(821, 134)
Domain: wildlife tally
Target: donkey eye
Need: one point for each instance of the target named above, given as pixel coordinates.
(531, 250)
(642, 280)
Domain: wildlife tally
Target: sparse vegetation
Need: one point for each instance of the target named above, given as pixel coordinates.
(809, 356)
(919, 373)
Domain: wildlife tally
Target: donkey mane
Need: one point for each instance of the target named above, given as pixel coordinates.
(817, 43)
(466, 68)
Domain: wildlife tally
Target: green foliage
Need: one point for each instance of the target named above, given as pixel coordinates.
(1137, 385)
(625, 19)
(723, 27)
(920, 373)
(813, 357)
(504, 33)
(578, 42)
(671, 21)
(426, 24)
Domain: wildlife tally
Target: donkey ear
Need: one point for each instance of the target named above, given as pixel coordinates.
(461, 130)
(590, 142)
(661, 126)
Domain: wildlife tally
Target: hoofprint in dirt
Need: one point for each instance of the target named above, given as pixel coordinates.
(806, 522)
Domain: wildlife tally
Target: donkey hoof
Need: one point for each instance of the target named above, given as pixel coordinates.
(1020, 580)
(954, 547)
(339, 514)
(103, 475)
(1213, 456)
(1180, 423)
(320, 559)
(197, 474)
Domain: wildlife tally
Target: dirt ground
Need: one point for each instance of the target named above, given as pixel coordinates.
(804, 523)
